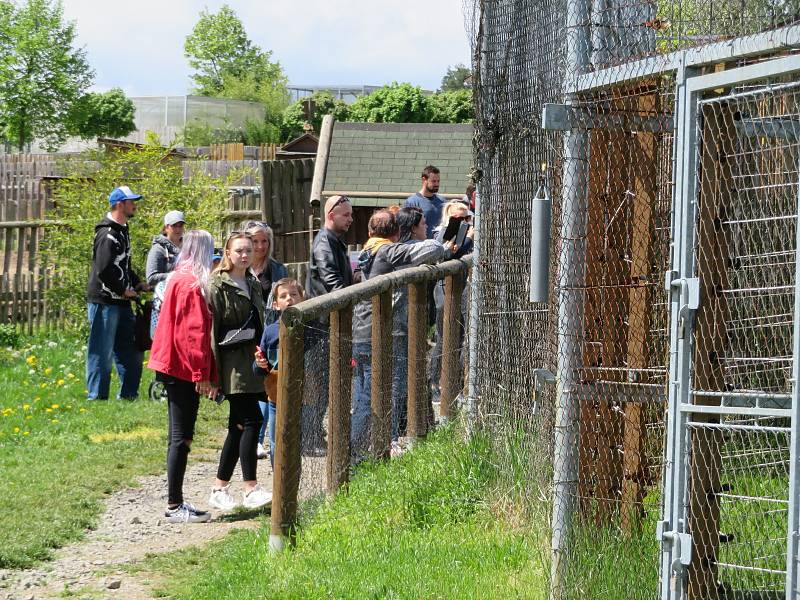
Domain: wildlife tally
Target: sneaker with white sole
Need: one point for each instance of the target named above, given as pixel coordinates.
(258, 497)
(186, 513)
(222, 498)
(261, 452)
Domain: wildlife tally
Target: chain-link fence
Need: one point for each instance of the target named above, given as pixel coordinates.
(667, 143)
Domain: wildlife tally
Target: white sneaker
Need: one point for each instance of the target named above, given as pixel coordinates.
(222, 499)
(261, 452)
(186, 513)
(258, 497)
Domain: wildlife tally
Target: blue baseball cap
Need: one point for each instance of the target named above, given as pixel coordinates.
(121, 194)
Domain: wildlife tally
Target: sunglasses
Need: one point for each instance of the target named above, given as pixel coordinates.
(341, 200)
(250, 224)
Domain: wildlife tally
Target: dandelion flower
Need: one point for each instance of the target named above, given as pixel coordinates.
(26, 433)
(48, 410)
(70, 376)
(26, 406)
(16, 429)
(48, 370)
(31, 360)
(55, 406)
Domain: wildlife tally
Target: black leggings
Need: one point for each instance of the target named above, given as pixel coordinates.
(241, 444)
(182, 404)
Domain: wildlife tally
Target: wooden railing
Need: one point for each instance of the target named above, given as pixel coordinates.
(339, 305)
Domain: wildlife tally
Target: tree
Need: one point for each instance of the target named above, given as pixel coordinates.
(80, 204)
(394, 103)
(109, 114)
(42, 74)
(221, 53)
(456, 78)
(311, 109)
(452, 107)
(228, 65)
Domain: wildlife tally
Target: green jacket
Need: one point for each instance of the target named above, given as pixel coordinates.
(230, 307)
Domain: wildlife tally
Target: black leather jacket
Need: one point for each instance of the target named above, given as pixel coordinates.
(329, 268)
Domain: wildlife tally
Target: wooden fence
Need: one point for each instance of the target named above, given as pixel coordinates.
(26, 202)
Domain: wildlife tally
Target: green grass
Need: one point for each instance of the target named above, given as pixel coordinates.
(61, 454)
(423, 526)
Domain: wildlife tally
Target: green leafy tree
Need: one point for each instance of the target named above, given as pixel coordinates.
(108, 114)
(81, 201)
(41, 73)
(452, 107)
(229, 65)
(456, 78)
(311, 109)
(252, 133)
(394, 103)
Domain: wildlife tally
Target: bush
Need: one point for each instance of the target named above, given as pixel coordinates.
(9, 336)
(82, 201)
(452, 107)
(322, 103)
(395, 103)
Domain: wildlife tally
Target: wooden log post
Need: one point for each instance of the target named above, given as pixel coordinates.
(417, 372)
(340, 397)
(286, 475)
(381, 390)
(266, 192)
(452, 330)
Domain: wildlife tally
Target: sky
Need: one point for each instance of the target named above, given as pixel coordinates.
(138, 46)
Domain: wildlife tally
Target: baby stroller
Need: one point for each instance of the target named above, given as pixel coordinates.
(157, 392)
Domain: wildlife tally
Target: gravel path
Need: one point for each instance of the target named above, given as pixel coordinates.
(131, 527)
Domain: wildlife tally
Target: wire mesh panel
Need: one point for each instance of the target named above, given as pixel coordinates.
(741, 388)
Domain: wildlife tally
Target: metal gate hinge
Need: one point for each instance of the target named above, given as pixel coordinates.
(689, 289)
(679, 543)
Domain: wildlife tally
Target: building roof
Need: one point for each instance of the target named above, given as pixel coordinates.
(389, 157)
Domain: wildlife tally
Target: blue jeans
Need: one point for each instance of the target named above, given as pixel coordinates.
(362, 393)
(399, 385)
(111, 335)
(268, 426)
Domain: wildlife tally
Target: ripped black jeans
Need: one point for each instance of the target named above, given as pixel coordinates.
(241, 443)
(182, 404)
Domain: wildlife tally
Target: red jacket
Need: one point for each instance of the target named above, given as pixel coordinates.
(182, 341)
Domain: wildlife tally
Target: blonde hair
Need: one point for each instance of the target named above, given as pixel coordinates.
(225, 264)
(253, 227)
(450, 208)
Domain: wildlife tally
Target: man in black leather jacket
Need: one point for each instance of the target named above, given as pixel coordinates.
(329, 270)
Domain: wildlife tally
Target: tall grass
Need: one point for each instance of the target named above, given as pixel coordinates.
(426, 525)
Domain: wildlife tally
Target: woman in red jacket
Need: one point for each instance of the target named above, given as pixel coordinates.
(182, 358)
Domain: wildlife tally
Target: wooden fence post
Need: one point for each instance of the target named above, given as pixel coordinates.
(340, 397)
(450, 383)
(381, 423)
(286, 475)
(417, 363)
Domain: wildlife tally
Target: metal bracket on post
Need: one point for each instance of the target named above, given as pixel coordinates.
(541, 377)
(689, 290)
(680, 544)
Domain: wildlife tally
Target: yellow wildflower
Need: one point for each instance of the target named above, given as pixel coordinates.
(60, 382)
(42, 385)
(83, 410)
(54, 420)
(16, 429)
(31, 360)
(48, 410)
(70, 376)
(55, 406)
(48, 370)
(26, 406)
(26, 433)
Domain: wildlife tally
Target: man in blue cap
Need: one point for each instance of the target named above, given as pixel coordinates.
(112, 286)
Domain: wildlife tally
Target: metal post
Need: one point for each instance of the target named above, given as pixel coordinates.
(340, 398)
(286, 475)
(417, 345)
(571, 275)
(381, 400)
(450, 383)
(794, 448)
(475, 301)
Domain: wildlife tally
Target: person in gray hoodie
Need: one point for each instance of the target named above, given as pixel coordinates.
(382, 254)
(165, 249)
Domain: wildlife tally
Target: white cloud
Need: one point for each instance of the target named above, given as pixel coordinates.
(139, 46)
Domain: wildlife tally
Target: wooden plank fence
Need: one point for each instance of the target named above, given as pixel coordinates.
(26, 202)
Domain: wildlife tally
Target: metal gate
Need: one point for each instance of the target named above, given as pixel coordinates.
(730, 526)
